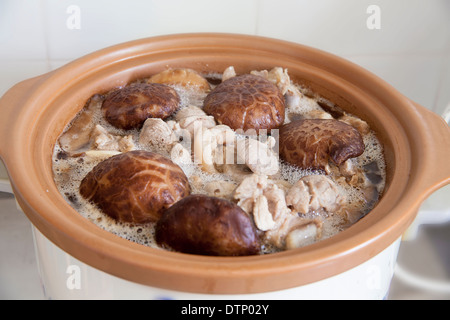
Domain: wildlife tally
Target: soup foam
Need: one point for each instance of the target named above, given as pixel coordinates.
(69, 170)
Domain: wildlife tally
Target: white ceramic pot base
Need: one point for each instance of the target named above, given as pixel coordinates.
(64, 277)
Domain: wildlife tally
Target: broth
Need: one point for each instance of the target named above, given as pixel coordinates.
(360, 180)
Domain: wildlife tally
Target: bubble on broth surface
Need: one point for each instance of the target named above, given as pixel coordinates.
(69, 170)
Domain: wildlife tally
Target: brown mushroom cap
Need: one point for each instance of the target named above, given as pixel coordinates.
(181, 76)
(128, 107)
(309, 144)
(246, 102)
(205, 225)
(135, 186)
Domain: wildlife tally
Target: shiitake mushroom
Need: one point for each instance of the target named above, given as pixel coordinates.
(182, 77)
(135, 186)
(246, 102)
(311, 143)
(128, 107)
(205, 225)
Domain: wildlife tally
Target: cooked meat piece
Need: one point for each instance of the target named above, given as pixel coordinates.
(357, 123)
(277, 76)
(263, 199)
(269, 208)
(294, 232)
(276, 198)
(228, 73)
(206, 141)
(192, 118)
(180, 155)
(101, 139)
(257, 156)
(261, 214)
(189, 111)
(156, 133)
(249, 189)
(314, 192)
(302, 235)
(78, 134)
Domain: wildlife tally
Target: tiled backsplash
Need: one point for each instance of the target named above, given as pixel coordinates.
(341, 27)
(406, 42)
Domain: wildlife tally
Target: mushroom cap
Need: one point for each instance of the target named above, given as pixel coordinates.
(310, 143)
(246, 102)
(127, 108)
(181, 76)
(135, 186)
(205, 225)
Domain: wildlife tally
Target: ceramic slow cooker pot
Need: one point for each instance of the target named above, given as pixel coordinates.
(35, 111)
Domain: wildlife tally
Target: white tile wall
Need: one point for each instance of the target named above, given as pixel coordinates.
(103, 23)
(22, 34)
(418, 77)
(410, 50)
(406, 26)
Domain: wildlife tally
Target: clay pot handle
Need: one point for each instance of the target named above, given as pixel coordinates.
(436, 150)
(10, 111)
(439, 171)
